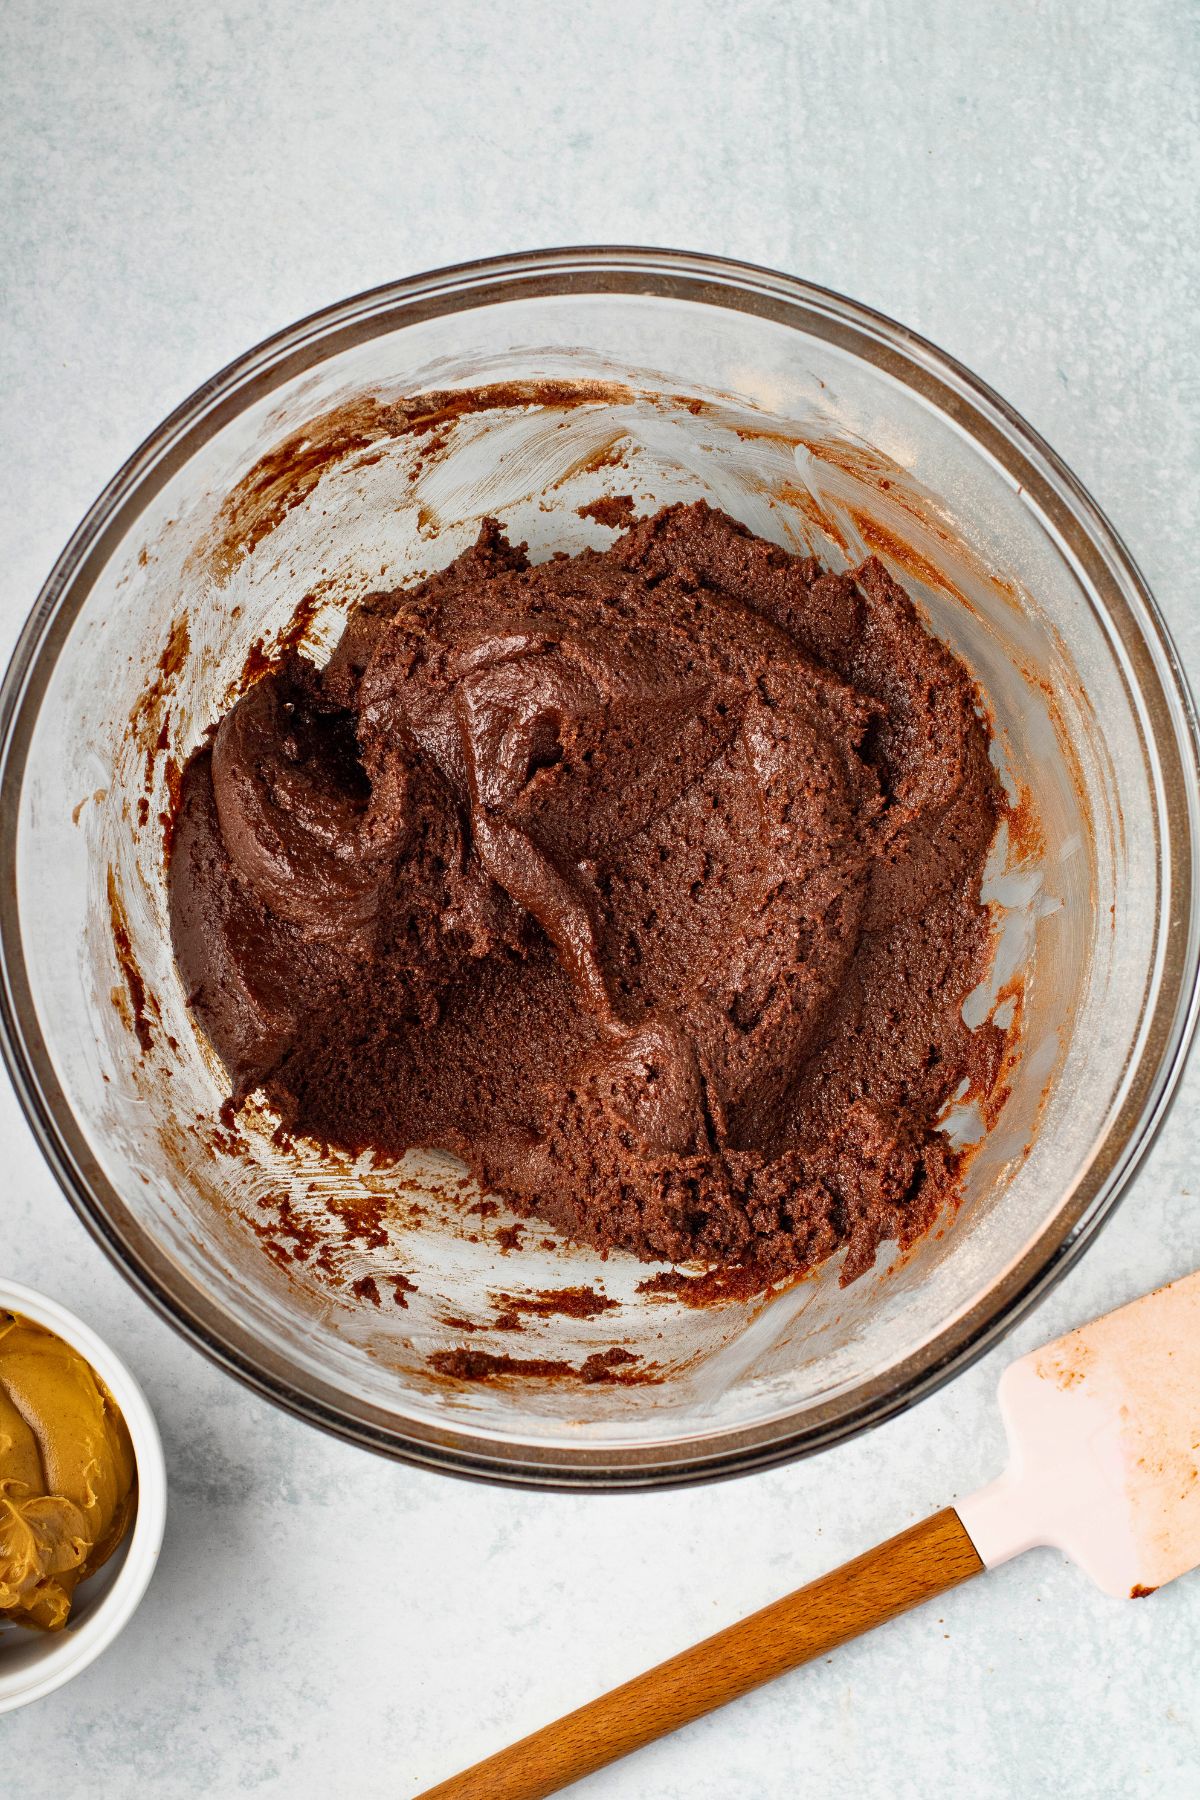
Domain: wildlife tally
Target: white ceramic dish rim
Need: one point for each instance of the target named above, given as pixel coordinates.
(67, 1653)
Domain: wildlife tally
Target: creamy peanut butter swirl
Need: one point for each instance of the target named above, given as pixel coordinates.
(67, 1474)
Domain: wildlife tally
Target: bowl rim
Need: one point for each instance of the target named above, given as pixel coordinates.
(1152, 665)
(68, 1652)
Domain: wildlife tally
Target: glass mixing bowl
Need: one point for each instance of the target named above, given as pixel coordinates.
(308, 472)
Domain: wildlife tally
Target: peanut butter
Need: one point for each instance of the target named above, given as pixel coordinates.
(67, 1473)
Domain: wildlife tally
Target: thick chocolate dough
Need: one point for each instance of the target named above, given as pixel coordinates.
(647, 882)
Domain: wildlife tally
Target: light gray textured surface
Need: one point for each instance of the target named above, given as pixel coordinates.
(1016, 180)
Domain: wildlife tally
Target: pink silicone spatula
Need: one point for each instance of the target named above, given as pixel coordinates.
(1104, 1462)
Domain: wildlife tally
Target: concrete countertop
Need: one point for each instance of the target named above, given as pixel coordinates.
(1017, 181)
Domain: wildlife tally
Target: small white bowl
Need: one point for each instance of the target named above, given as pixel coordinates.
(34, 1663)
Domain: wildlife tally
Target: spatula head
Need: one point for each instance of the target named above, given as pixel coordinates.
(1104, 1429)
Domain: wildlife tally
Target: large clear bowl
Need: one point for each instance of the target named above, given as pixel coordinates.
(287, 477)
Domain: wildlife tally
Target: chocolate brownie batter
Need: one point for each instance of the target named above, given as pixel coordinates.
(646, 881)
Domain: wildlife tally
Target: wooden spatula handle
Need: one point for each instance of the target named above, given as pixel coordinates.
(923, 1561)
